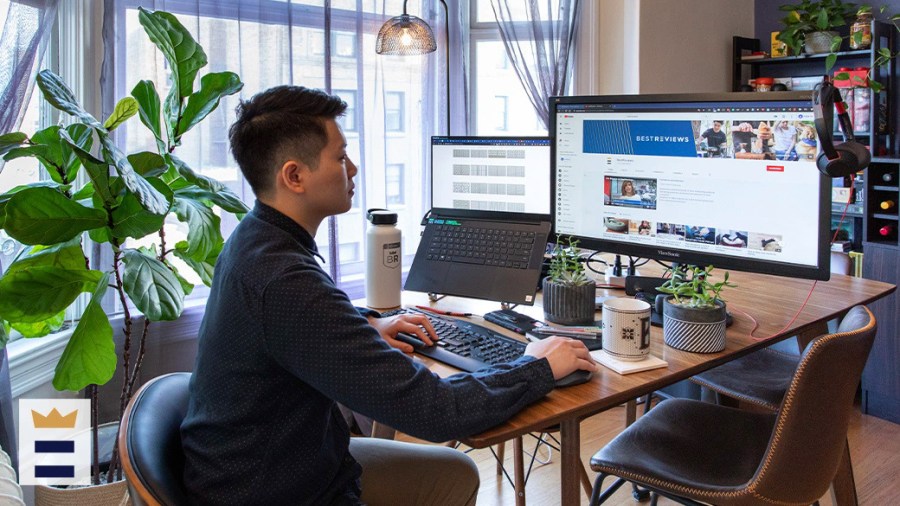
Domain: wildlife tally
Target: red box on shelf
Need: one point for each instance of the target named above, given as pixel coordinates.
(856, 78)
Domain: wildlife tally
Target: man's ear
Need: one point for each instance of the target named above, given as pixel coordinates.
(292, 176)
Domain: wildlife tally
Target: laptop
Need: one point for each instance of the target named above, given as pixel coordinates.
(487, 229)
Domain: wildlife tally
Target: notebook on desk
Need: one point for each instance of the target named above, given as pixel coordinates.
(487, 229)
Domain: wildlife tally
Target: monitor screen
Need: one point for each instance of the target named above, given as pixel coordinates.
(503, 175)
(722, 179)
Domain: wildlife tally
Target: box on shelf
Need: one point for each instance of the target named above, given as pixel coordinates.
(779, 48)
(805, 83)
(858, 77)
(842, 195)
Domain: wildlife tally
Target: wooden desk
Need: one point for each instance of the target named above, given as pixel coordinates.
(772, 301)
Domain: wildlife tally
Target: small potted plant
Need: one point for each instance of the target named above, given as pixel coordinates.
(569, 294)
(694, 311)
(810, 25)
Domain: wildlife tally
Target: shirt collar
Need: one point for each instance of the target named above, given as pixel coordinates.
(275, 217)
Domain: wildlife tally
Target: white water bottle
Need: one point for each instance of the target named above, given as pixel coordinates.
(383, 259)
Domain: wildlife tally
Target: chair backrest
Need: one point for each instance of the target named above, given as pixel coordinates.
(150, 441)
(811, 428)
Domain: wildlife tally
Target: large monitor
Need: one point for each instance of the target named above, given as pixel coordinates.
(723, 179)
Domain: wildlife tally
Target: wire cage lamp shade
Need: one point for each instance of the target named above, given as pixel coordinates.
(405, 35)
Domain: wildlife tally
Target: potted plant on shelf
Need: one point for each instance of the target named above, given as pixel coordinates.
(693, 310)
(124, 198)
(810, 25)
(568, 293)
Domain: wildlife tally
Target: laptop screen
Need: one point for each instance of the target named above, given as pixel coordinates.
(491, 177)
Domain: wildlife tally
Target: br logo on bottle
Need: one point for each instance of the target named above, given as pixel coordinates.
(391, 257)
(54, 441)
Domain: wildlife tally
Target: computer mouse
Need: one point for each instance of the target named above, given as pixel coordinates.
(410, 339)
(576, 378)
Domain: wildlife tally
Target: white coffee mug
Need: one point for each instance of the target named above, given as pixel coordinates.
(626, 328)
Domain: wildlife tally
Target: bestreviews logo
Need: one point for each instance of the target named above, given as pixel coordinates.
(54, 441)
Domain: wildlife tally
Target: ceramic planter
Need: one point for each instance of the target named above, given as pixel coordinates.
(693, 329)
(818, 42)
(569, 305)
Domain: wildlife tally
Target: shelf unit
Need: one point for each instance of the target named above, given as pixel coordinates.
(881, 137)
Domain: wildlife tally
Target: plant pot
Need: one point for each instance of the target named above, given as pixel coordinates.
(109, 494)
(818, 42)
(567, 304)
(697, 330)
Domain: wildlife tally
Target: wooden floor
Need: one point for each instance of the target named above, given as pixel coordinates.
(874, 446)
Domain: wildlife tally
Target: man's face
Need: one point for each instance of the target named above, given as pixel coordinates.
(330, 185)
(717, 126)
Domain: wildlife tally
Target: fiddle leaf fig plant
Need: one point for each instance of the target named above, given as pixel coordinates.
(95, 187)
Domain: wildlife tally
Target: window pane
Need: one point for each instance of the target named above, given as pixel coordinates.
(517, 10)
(501, 106)
(393, 183)
(394, 111)
(348, 120)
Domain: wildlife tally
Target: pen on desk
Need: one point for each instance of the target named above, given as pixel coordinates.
(442, 312)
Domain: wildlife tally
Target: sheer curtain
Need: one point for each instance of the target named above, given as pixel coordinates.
(25, 33)
(539, 46)
(395, 103)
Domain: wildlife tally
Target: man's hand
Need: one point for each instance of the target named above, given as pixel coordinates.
(415, 324)
(564, 354)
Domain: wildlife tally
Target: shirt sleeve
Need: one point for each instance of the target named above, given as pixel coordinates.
(314, 332)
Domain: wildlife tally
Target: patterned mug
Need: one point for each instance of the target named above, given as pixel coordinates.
(626, 328)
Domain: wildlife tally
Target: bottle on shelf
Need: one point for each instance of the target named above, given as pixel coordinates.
(887, 230)
(887, 204)
(888, 177)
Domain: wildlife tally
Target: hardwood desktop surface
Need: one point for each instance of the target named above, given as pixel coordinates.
(772, 301)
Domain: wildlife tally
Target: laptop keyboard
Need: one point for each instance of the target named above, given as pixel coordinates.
(466, 345)
(482, 246)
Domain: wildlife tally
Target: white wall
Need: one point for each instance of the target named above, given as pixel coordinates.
(658, 46)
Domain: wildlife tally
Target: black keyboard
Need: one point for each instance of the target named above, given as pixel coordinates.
(465, 345)
(483, 246)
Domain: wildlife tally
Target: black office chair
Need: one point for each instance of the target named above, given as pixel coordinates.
(696, 451)
(150, 441)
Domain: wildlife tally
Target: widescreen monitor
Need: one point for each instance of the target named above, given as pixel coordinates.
(723, 179)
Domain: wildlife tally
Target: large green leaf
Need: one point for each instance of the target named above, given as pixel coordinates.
(130, 219)
(61, 97)
(192, 177)
(213, 87)
(45, 216)
(97, 170)
(149, 197)
(11, 140)
(184, 55)
(149, 108)
(90, 355)
(203, 227)
(38, 293)
(148, 163)
(206, 268)
(225, 198)
(80, 135)
(65, 255)
(126, 108)
(152, 287)
(42, 328)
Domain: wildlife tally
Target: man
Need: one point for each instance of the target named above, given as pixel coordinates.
(715, 139)
(280, 345)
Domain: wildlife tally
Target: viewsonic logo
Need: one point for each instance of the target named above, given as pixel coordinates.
(669, 253)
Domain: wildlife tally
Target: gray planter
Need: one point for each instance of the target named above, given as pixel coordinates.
(695, 330)
(569, 305)
(818, 42)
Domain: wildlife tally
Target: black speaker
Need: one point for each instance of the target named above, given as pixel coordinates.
(848, 157)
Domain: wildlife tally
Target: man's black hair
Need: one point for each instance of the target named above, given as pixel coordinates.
(278, 124)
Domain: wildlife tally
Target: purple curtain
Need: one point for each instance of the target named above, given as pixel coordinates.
(22, 45)
(539, 46)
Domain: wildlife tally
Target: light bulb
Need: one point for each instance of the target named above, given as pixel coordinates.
(405, 38)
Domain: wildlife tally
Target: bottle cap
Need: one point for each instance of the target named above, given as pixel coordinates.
(381, 217)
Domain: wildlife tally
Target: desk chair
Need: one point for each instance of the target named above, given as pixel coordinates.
(696, 451)
(150, 441)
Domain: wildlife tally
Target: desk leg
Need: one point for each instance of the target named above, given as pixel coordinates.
(570, 476)
(519, 466)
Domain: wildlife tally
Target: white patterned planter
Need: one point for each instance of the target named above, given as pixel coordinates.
(692, 329)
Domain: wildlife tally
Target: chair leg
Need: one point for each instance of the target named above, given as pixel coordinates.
(843, 484)
(518, 457)
(598, 497)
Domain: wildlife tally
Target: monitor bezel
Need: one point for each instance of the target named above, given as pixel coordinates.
(481, 214)
(822, 271)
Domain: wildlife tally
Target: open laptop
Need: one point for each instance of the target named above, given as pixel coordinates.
(486, 233)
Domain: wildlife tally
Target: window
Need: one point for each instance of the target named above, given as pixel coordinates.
(348, 120)
(393, 183)
(500, 103)
(394, 111)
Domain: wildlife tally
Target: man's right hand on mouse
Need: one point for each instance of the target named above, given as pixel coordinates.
(565, 355)
(415, 324)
